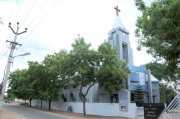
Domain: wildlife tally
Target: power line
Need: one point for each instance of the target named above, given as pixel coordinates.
(40, 20)
(38, 48)
(28, 11)
(4, 54)
(13, 14)
(18, 13)
(33, 7)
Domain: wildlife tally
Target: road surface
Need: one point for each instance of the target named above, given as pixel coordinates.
(27, 113)
(12, 111)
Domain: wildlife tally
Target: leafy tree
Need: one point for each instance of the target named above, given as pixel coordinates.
(158, 30)
(167, 93)
(85, 67)
(80, 67)
(19, 85)
(158, 70)
(112, 72)
(163, 73)
(10, 96)
(139, 96)
(54, 82)
(37, 80)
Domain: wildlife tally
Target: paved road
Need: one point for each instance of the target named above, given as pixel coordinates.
(29, 113)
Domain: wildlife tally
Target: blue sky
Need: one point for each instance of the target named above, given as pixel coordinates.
(53, 25)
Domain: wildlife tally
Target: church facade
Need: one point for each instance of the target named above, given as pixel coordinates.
(119, 39)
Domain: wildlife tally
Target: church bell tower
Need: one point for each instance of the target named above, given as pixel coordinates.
(119, 39)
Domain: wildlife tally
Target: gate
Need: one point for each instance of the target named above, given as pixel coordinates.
(173, 109)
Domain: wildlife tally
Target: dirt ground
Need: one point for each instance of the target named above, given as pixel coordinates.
(6, 114)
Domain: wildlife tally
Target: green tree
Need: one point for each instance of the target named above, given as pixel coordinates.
(163, 73)
(85, 67)
(112, 73)
(10, 96)
(19, 85)
(139, 96)
(80, 67)
(37, 80)
(167, 93)
(54, 84)
(158, 30)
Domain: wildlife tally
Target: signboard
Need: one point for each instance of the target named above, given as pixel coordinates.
(123, 100)
(153, 110)
(123, 107)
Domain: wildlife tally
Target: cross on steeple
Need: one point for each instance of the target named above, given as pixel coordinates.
(117, 10)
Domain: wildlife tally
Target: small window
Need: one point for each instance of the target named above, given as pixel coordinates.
(154, 98)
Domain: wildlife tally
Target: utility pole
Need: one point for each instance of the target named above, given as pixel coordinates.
(10, 58)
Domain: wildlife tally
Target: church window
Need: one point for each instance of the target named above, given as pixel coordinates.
(72, 97)
(132, 97)
(154, 98)
(125, 52)
(63, 97)
(114, 98)
(118, 45)
(134, 77)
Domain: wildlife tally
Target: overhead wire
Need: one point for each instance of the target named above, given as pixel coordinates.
(13, 14)
(20, 9)
(28, 13)
(38, 48)
(74, 54)
(46, 10)
(36, 14)
(25, 18)
(40, 20)
(4, 54)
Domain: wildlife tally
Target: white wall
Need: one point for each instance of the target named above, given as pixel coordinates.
(103, 109)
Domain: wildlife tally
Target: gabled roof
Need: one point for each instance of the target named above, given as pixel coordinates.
(153, 79)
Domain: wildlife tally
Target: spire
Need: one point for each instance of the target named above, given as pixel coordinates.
(117, 22)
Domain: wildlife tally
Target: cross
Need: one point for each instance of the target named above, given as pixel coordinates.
(117, 10)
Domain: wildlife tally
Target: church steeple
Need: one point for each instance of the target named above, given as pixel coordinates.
(117, 22)
(119, 38)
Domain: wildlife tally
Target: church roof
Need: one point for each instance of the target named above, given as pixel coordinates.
(118, 23)
(153, 79)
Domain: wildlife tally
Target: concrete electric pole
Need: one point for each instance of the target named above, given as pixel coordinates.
(10, 58)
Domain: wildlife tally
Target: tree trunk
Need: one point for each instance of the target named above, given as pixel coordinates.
(41, 103)
(50, 104)
(30, 102)
(84, 105)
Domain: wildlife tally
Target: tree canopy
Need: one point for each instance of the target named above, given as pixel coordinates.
(167, 93)
(158, 30)
(81, 67)
(20, 85)
(112, 73)
(84, 67)
(164, 73)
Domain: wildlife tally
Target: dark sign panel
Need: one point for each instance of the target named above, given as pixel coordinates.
(153, 110)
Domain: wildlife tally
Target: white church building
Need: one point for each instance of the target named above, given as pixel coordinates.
(120, 103)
